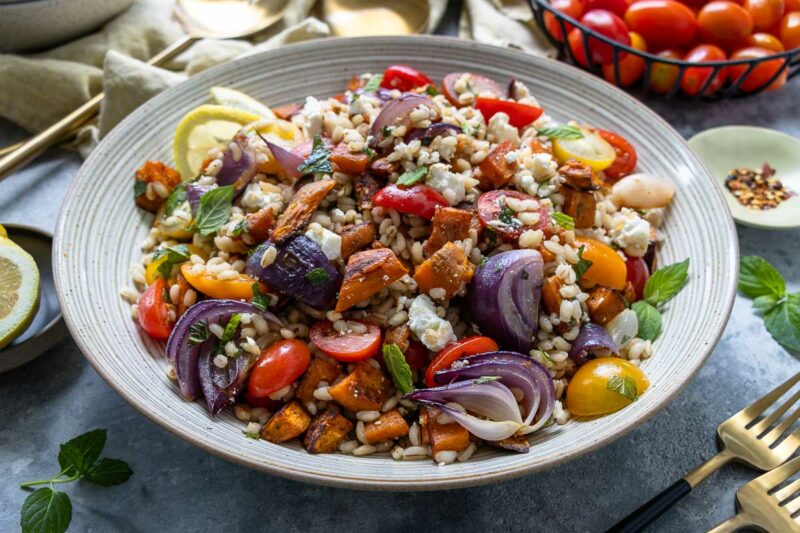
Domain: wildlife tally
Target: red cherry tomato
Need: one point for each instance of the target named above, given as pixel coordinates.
(519, 115)
(762, 73)
(765, 40)
(662, 23)
(153, 311)
(404, 78)
(608, 25)
(419, 200)
(638, 274)
(576, 46)
(477, 85)
(766, 14)
(572, 8)
(279, 365)
(265, 402)
(790, 5)
(347, 346)
(631, 67)
(663, 75)
(416, 355)
(625, 161)
(724, 23)
(494, 213)
(789, 30)
(618, 7)
(456, 350)
(695, 77)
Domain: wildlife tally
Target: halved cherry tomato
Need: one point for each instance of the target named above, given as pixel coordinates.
(789, 30)
(347, 346)
(638, 274)
(239, 288)
(724, 23)
(695, 77)
(766, 40)
(519, 115)
(631, 67)
(279, 365)
(625, 161)
(153, 311)
(662, 23)
(762, 73)
(591, 149)
(419, 200)
(572, 8)
(404, 78)
(151, 272)
(608, 25)
(766, 14)
(589, 392)
(476, 84)
(608, 268)
(663, 75)
(265, 402)
(456, 350)
(493, 212)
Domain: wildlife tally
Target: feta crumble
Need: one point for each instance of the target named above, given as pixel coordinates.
(329, 242)
(500, 130)
(451, 185)
(630, 231)
(434, 332)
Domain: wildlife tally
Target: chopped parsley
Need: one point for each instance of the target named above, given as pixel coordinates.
(369, 151)
(139, 188)
(566, 132)
(373, 84)
(431, 90)
(624, 386)
(483, 262)
(251, 435)
(317, 276)
(198, 332)
(582, 265)
(411, 177)
(506, 216)
(260, 300)
(386, 131)
(239, 228)
(525, 274)
(563, 220)
(319, 160)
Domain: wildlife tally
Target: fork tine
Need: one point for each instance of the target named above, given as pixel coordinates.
(781, 428)
(762, 426)
(760, 405)
(792, 506)
(787, 491)
(778, 475)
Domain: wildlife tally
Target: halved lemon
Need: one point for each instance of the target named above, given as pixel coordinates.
(19, 290)
(212, 126)
(238, 100)
(3, 232)
(591, 149)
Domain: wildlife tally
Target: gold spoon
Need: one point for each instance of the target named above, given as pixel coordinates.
(218, 19)
(356, 18)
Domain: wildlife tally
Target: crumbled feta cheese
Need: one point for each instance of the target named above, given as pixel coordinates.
(451, 185)
(312, 113)
(542, 165)
(434, 332)
(500, 130)
(630, 231)
(259, 195)
(329, 242)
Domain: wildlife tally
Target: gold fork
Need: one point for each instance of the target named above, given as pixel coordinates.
(758, 507)
(743, 438)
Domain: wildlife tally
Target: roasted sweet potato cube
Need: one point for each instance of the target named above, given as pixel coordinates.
(604, 304)
(424, 415)
(449, 268)
(580, 205)
(357, 236)
(389, 426)
(364, 389)
(367, 273)
(551, 295)
(290, 422)
(516, 443)
(496, 170)
(326, 432)
(154, 172)
(579, 176)
(365, 186)
(346, 162)
(445, 437)
(260, 223)
(319, 370)
(300, 210)
(399, 336)
(287, 111)
(449, 224)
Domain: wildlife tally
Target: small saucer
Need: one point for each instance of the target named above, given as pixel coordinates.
(728, 147)
(47, 327)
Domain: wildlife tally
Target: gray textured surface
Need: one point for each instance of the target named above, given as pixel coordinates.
(179, 488)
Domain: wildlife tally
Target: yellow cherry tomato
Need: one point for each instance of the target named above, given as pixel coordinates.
(177, 229)
(605, 385)
(239, 288)
(591, 149)
(151, 272)
(608, 268)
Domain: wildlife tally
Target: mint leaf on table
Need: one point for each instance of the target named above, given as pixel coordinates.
(758, 278)
(666, 282)
(90, 445)
(783, 322)
(46, 511)
(108, 472)
(649, 320)
(398, 368)
(214, 210)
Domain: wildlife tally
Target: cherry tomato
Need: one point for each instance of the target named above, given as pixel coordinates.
(519, 115)
(608, 25)
(790, 5)
(575, 42)
(153, 311)
(456, 350)
(279, 365)
(638, 274)
(724, 23)
(151, 273)
(238, 288)
(663, 75)
(419, 200)
(572, 8)
(695, 77)
(789, 30)
(589, 392)
(625, 161)
(630, 68)
(590, 150)
(766, 14)
(346, 346)
(608, 269)
(476, 84)
(762, 73)
(662, 23)
(416, 355)
(765, 40)
(266, 401)
(404, 78)
(618, 7)
(495, 214)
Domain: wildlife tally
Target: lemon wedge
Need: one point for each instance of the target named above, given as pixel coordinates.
(591, 149)
(213, 126)
(19, 290)
(238, 100)
(3, 232)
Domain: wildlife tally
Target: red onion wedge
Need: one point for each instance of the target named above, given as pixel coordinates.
(592, 341)
(238, 167)
(394, 114)
(193, 194)
(288, 160)
(427, 135)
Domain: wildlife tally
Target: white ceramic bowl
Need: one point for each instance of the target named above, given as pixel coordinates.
(100, 229)
(34, 24)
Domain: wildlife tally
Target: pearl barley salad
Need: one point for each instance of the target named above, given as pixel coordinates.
(407, 268)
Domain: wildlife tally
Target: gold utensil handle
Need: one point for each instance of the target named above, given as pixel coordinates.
(732, 524)
(10, 148)
(62, 129)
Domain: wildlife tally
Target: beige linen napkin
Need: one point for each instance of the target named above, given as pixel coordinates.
(37, 90)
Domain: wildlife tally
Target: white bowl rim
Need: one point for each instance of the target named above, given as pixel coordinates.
(343, 480)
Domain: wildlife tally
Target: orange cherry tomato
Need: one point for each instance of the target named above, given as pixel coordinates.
(789, 30)
(762, 73)
(151, 273)
(724, 23)
(662, 75)
(608, 268)
(239, 288)
(790, 5)
(662, 23)
(765, 40)
(695, 77)
(347, 346)
(153, 311)
(625, 161)
(631, 67)
(618, 7)
(279, 365)
(589, 392)
(572, 8)
(456, 350)
(765, 13)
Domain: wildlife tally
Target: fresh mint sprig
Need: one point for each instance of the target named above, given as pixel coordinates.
(664, 284)
(398, 368)
(214, 210)
(319, 161)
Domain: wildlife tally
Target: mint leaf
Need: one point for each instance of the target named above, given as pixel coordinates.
(649, 320)
(260, 299)
(214, 210)
(230, 329)
(666, 282)
(319, 160)
(89, 445)
(317, 276)
(71, 459)
(373, 84)
(177, 197)
(45, 511)
(566, 132)
(239, 228)
(623, 385)
(174, 255)
(139, 188)
(764, 304)
(582, 265)
(108, 472)
(563, 220)
(398, 368)
(783, 323)
(411, 177)
(431, 90)
(759, 278)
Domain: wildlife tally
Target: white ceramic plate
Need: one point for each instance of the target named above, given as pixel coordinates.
(100, 229)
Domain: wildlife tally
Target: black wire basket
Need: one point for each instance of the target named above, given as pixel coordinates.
(790, 59)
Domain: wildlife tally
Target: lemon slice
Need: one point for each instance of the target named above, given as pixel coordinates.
(238, 100)
(590, 150)
(213, 126)
(3, 232)
(19, 290)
